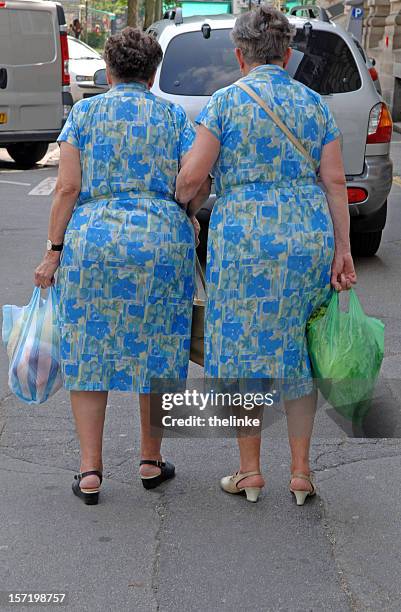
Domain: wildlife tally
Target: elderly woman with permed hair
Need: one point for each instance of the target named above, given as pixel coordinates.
(126, 275)
(276, 240)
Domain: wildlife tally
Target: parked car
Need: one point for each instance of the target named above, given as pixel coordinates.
(35, 96)
(84, 62)
(199, 59)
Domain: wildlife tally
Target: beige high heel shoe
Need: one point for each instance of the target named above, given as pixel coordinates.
(229, 484)
(300, 496)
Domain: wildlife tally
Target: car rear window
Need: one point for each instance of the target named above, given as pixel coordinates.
(198, 66)
(26, 37)
(78, 50)
(324, 62)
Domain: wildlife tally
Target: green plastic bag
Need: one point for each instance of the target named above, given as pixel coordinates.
(346, 351)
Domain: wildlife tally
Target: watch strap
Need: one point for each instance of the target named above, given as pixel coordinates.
(57, 247)
(54, 247)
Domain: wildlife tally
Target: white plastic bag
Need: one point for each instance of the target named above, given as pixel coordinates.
(32, 338)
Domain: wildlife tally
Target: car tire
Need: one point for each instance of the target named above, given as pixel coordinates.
(26, 154)
(365, 244)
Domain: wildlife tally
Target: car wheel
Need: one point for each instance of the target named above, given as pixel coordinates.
(26, 154)
(365, 244)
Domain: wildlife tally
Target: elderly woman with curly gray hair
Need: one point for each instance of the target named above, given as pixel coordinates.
(276, 240)
(126, 274)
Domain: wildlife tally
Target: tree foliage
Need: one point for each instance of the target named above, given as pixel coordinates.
(150, 10)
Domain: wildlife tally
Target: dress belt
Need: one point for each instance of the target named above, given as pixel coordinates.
(130, 195)
(260, 187)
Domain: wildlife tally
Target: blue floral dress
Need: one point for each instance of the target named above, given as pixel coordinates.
(271, 243)
(126, 279)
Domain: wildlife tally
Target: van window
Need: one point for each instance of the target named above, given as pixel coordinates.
(26, 37)
(198, 66)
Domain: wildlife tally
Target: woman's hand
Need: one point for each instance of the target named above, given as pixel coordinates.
(197, 228)
(44, 273)
(343, 274)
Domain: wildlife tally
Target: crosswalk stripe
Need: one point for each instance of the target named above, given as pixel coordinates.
(45, 187)
(16, 183)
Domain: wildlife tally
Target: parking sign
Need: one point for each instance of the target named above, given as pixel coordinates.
(357, 13)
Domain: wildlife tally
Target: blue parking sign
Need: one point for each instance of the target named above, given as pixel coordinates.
(357, 13)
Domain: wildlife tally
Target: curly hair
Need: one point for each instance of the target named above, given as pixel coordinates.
(263, 34)
(132, 55)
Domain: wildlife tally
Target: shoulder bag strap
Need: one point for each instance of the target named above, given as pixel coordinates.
(278, 122)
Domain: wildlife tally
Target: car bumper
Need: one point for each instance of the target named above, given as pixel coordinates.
(7, 138)
(376, 179)
(88, 90)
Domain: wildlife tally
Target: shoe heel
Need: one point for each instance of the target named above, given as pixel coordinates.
(300, 496)
(252, 493)
(91, 499)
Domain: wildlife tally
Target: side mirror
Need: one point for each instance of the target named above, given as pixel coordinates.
(99, 78)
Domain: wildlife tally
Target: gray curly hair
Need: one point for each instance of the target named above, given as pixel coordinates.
(263, 35)
(132, 55)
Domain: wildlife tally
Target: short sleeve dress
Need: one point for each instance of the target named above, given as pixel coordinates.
(126, 279)
(270, 244)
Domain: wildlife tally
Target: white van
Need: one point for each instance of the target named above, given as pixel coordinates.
(35, 96)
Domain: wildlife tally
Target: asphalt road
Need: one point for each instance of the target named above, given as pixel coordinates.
(187, 546)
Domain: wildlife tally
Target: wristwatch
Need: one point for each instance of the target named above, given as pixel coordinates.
(54, 247)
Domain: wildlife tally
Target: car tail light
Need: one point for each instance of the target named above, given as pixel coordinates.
(356, 194)
(373, 73)
(2, 4)
(380, 124)
(65, 75)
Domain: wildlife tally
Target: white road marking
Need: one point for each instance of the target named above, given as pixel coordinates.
(16, 183)
(51, 158)
(45, 187)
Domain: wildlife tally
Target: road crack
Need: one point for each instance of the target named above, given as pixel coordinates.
(353, 601)
(161, 510)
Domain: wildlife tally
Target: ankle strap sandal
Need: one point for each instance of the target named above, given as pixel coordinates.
(167, 471)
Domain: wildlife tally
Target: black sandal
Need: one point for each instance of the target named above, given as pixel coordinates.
(167, 471)
(90, 497)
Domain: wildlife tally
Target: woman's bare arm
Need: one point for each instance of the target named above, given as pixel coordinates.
(193, 178)
(66, 193)
(343, 274)
(67, 190)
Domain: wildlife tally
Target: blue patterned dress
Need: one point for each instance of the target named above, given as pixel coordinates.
(126, 279)
(271, 239)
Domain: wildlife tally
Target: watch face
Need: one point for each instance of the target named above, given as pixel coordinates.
(49, 245)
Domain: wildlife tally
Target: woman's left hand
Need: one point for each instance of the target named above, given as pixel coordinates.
(44, 273)
(343, 274)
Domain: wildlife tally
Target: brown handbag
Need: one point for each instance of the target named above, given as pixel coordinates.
(197, 351)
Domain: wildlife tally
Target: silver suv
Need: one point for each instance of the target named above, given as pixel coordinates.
(199, 59)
